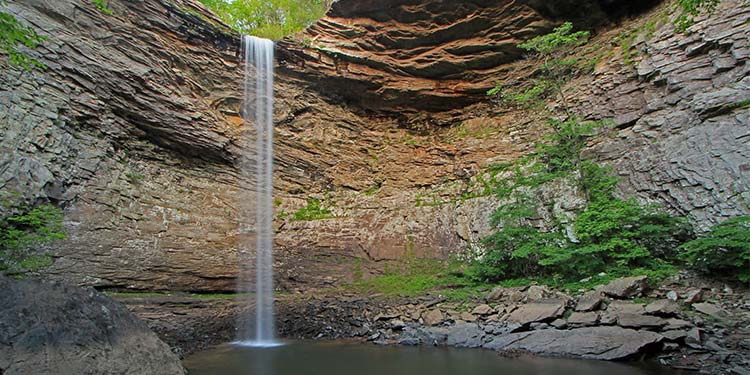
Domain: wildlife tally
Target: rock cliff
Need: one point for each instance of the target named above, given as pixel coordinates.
(135, 129)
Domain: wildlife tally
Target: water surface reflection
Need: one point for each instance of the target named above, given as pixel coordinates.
(345, 358)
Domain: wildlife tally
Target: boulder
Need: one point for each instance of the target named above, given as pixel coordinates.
(603, 343)
(559, 323)
(386, 316)
(694, 296)
(624, 307)
(583, 319)
(434, 336)
(465, 335)
(662, 307)
(677, 324)
(483, 309)
(54, 328)
(538, 292)
(501, 328)
(710, 309)
(544, 310)
(673, 296)
(675, 335)
(694, 338)
(495, 295)
(625, 287)
(538, 326)
(433, 317)
(468, 317)
(589, 301)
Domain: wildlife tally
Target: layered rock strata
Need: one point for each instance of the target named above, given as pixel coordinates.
(135, 130)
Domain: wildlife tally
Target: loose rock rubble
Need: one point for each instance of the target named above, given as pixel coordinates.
(621, 320)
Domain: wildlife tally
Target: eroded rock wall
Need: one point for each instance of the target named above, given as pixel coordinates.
(682, 115)
(135, 129)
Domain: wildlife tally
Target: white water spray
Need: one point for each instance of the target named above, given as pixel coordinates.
(257, 211)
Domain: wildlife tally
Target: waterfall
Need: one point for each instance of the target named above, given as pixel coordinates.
(256, 210)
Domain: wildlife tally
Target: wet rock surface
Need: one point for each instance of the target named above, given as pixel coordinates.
(53, 328)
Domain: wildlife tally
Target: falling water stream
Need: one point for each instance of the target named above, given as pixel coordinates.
(256, 244)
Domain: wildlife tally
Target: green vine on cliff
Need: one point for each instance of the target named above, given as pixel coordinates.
(103, 6)
(557, 65)
(14, 37)
(690, 9)
(23, 230)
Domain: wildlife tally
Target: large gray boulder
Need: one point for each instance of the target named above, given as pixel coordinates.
(604, 343)
(625, 287)
(53, 328)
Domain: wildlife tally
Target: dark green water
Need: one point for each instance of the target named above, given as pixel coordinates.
(343, 358)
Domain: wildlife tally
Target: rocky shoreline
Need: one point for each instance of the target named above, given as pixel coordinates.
(684, 324)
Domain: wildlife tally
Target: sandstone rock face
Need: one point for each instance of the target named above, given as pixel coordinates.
(135, 129)
(408, 56)
(57, 329)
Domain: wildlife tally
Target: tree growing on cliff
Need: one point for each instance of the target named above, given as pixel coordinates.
(554, 50)
(610, 234)
(23, 230)
(272, 19)
(14, 36)
(724, 251)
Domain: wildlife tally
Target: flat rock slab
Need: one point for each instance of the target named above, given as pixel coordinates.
(538, 311)
(662, 307)
(640, 321)
(589, 301)
(710, 309)
(433, 317)
(625, 287)
(583, 319)
(465, 335)
(603, 343)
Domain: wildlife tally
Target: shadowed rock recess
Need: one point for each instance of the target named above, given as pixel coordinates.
(135, 129)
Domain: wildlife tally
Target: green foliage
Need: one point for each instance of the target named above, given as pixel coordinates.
(313, 211)
(723, 251)
(615, 236)
(134, 177)
(693, 8)
(557, 66)
(413, 276)
(13, 35)
(21, 234)
(559, 39)
(562, 148)
(610, 235)
(103, 6)
(272, 19)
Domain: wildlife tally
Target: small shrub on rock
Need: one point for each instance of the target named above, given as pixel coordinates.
(23, 232)
(723, 251)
